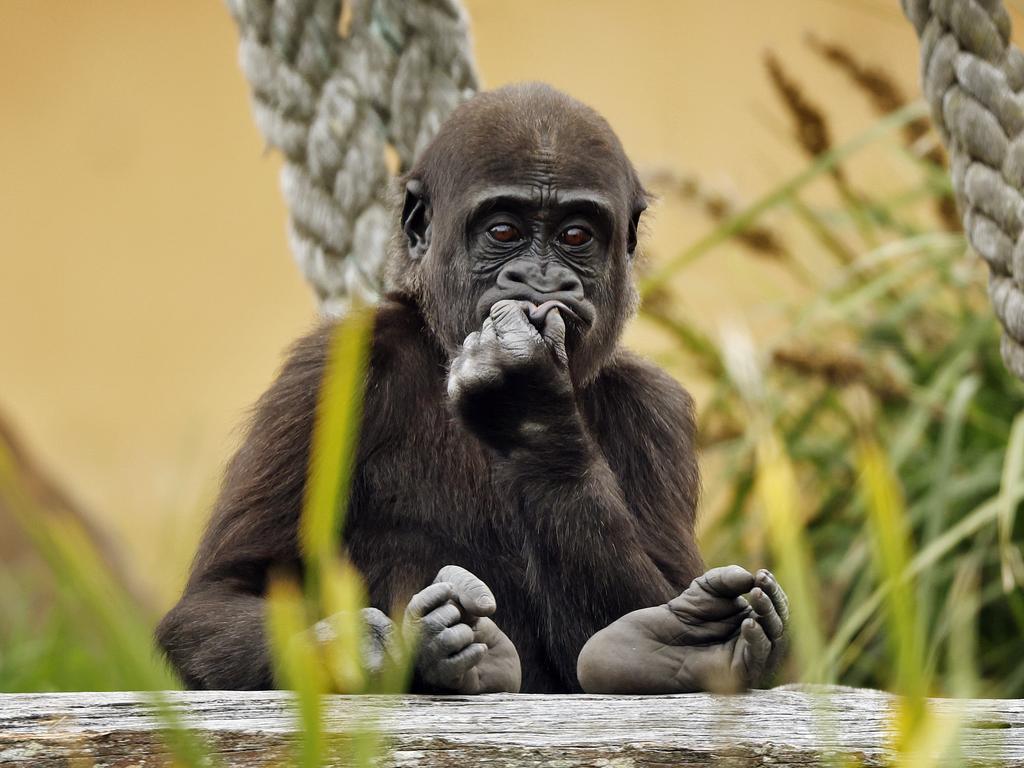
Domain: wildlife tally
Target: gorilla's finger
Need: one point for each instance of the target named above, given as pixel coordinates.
(486, 631)
(554, 335)
(461, 662)
(428, 599)
(471, 341)
(441, 618)
(454, 639)
(766, 614)
(457, 370)
(377, 638)
(376, 620)
(715, 596)
(754, 647)
(488, 341)
(508, 310)
(511, 320)
(727, 581)
(715, 616)
(475, 597)
(454, 385)
(767, 581)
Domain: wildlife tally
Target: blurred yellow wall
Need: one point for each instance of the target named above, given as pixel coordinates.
(146, 289)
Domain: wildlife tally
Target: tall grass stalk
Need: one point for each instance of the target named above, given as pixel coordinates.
(780, 499)
(335, 434)
(314, 662)
(299, 667)
(891, 536)
(1012, 484)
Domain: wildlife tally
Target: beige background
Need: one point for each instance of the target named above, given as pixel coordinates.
(146, 289)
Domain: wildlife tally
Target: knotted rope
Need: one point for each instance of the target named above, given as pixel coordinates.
(973, 81)
(333, 100)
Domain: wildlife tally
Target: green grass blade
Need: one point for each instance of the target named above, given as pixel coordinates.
(778, 493)
(1011, 567)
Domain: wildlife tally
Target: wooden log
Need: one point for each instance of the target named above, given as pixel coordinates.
(824, 726)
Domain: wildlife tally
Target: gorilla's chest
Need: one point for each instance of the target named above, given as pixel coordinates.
(432, 479)
(429, 497)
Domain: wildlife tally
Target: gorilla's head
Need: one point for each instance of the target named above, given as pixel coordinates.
(524, 194)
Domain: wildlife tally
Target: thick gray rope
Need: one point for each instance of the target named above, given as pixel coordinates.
(973, 80)
(333, 104)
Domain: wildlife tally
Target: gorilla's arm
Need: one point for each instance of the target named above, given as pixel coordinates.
(726, 630)
(510, 387)
(621, 555)
(215, 635)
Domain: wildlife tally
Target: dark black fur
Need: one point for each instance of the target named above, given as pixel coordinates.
(570, 532)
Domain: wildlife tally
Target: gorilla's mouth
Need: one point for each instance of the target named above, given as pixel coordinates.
(538, 314)
(577, 314)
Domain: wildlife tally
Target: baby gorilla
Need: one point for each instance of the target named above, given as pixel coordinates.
(525, 486)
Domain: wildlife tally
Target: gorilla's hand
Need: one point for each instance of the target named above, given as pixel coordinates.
(510, 383)
(377, 636)
(460, 649)
(725, 633)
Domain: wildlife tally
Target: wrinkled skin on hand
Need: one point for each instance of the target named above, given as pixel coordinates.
(377, 637)
(510, 382)
(725, 633)
(461, 650)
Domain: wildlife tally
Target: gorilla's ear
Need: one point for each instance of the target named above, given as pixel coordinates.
(634, 225)
(416, 219)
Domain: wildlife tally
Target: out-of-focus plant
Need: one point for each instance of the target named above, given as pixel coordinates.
(899, 334)
(106, 631)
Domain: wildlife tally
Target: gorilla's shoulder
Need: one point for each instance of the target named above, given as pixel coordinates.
(403, 373)
(398, 336)
(401, 340)
(632, 395)
(630, 377)
(399, 322)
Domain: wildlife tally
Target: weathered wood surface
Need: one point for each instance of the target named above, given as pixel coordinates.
(778, 727)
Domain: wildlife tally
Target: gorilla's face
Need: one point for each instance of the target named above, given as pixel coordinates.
(525, 195)
(546, 247)
(537, 245)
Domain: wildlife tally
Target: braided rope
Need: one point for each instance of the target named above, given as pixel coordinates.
(973, 81)
(333, 104)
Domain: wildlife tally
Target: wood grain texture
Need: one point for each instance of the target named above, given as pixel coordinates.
(826, 726)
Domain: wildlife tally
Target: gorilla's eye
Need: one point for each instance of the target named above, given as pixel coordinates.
(504, 233)
(575, 236)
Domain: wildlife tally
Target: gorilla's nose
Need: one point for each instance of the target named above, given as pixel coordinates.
(540, 278)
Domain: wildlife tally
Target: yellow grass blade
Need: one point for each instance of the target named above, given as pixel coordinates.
(335, 435)
(297, 665)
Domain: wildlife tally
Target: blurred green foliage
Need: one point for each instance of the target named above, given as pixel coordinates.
(898, 343)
